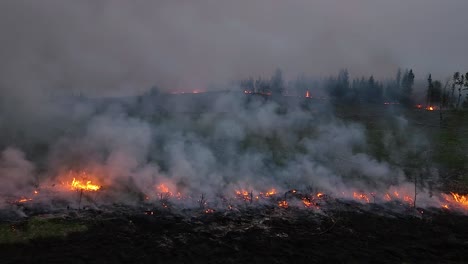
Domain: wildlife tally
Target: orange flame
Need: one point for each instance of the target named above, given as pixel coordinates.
(24, 200)
(85, 186)
(307, 203)
(283, 204)
(163, 189)
(270, 192)
(460, 199)
(244, 195)
(387, 197)
(361, 196)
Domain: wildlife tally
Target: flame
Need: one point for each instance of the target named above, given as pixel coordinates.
(283, 204)
(36, 192)
(396, 195)
(460, 199)
(244, 195)
(163, 189)
(242, 192)
(24, 200)
(209, 211)
(85, 186)
(388, 197)
(361, 196)
(270, 193)
(307, 95)
(306, 202)
(408, 199)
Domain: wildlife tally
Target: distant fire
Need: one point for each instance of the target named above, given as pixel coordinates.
(306, 202)
(427, 107)
(244, 195)
(307, 95)
(361, 196)
(195, 91)
(24, 200)
(163, 189)
(283, 204)
(270, 193)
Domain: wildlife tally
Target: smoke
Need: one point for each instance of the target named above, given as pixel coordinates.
(16, 172)
(237, 142)
(121, 47)
(53, 49)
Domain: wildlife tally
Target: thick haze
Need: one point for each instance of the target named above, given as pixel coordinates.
(124, 47)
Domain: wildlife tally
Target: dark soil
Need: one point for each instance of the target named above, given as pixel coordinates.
(265, 235)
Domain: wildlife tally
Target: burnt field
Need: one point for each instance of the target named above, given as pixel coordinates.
(349, 232)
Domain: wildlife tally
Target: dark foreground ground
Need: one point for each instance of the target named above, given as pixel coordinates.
(268, 235)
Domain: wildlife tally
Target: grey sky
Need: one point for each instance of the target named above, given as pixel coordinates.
(120, 46)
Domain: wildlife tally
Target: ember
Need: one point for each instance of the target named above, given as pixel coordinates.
(24, 200)
(244, 195)
(307, 203)
(209, 211)
(283, 204)
(163, 189)
(361, 196)
(270, 193)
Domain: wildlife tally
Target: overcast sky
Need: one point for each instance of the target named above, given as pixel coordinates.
(121, 46)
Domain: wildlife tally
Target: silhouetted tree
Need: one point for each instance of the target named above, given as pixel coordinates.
(436, 95)
(398, 79)
(407, 83)
(277, 83)
(338, 88)
(459, 80)
(374, 91)
(393, 88)
(430, 88)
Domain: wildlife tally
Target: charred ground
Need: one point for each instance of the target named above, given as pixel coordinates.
(354, 233)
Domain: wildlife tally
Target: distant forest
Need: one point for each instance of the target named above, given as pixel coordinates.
(450, 94)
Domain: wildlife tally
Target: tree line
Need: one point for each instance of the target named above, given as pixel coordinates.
(340, 88)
